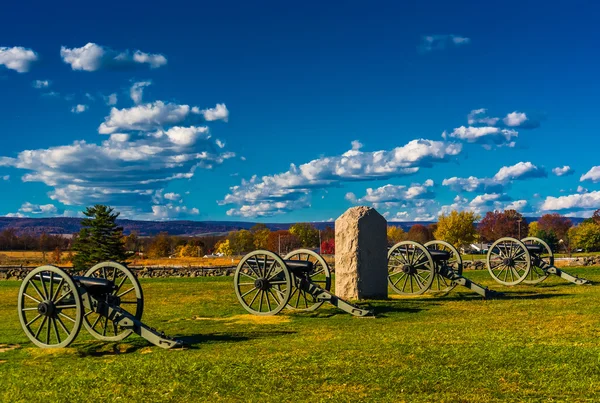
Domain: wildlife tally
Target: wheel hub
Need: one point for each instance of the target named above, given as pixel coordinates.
(46, 308)
(508, 262)
(408, 269)
(262, 284)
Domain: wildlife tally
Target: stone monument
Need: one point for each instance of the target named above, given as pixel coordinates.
(361, 254)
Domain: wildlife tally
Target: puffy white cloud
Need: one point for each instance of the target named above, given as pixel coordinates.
(581, 189)
(92, 57)
(591, 175)
(478, 116)
(515, 119)
(41, 84)
(170, 211)
(172, 196)
(581, 201)
(518, 205)
(295, 184)
(144, 117)
(79, 108)
(483, 203)
(15, 215)
(562, 171)
(440, 42)
(519, 171)
(111, 99)
(487, 136)
(30, 208)
(17, 58)
(393, 193)
(137, 91)
(219, 112)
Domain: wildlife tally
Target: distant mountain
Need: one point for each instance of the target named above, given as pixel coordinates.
(63, 225)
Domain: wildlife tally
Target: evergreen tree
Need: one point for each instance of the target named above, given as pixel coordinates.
(100, 239)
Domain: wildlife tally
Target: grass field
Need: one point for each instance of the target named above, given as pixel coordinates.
(538, 344)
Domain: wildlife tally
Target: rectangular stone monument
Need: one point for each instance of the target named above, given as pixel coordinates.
(361, 254)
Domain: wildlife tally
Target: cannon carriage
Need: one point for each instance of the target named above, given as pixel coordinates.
(436, 267)
(108, 301)
(528, 261)
(265, 283)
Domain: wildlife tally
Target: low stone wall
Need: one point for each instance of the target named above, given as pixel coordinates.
(20, 272)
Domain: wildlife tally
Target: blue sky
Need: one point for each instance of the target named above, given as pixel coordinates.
(198, 110)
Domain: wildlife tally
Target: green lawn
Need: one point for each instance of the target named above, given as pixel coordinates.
(538, 344)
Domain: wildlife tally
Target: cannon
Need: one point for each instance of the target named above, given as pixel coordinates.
(414, 269)
(529, 261)
(265, 283)
(107, 300)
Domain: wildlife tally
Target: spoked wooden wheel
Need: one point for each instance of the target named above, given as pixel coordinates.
(508, 261)
(320, 275)
(410, 268)
(50, 308)
(537, 274)
(127, 295)
(442, 284)
(263, 283)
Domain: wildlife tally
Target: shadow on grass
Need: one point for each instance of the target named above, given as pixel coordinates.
(502, 295)
(191, 341)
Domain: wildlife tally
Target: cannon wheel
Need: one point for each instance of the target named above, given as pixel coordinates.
(50, 308)
(321, 276)
(410, 268)
(441, 284)
(128, 296)
(508, 261)
(263, 283)
(537, 275)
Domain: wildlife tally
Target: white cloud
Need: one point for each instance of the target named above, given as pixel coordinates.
(487, 136)
(519, 171)
(256, 195)
(144, 117)
(111, 99)
(478, 116)
(219, 112)
(515, 119)
(482, 203)
(92, 57)
(79, 108)
(41, 84)
(137, 91)
(30, 208)
(439, 42)
(15, 215)
(581, 189)
(172, 196)
(580, 201)
(392, 193)
(17, 58)
(591, 175)
(562, 171)
(518, 205)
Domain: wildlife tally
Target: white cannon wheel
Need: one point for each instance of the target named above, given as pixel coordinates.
(441, 284)
(263, 283)
(410, 268)
(50, 308)
(508, 261)
(128, 296)
(320, 275)
(536, 274)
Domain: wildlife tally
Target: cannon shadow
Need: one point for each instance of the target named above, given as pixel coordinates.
(192, 341)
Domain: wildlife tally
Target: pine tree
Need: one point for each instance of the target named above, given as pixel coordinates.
(100, 239)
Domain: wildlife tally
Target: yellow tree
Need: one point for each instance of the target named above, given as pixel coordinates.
(534, 229)
(457, 228)
(395, 234)
(225, 248)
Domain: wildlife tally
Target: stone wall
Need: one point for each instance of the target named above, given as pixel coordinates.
(20, 272)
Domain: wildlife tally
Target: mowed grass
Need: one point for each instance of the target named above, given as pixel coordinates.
(538, 344)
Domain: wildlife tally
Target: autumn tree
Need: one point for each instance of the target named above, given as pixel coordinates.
(160, 246)
(395, 234)
(457, 228)
(419, 233)
(306, 233)
(328, 247)
(100, 238)
(283, 241)
(327, 233)
(534, 229)
(496, 225)
(224, 247)
(596, 217)
(586, 236)
(556, 224)
(241, 241)
(261, 238)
